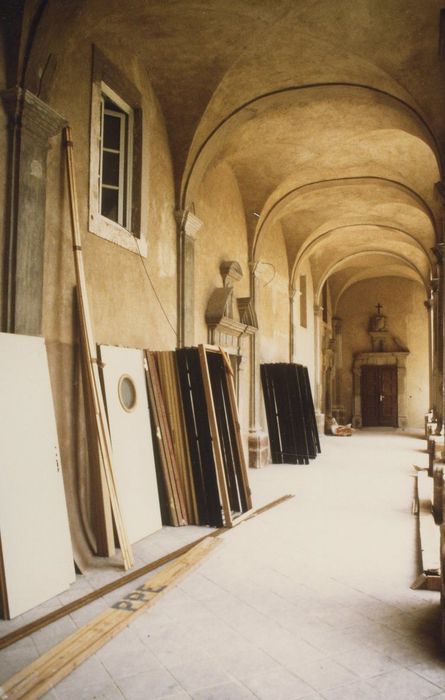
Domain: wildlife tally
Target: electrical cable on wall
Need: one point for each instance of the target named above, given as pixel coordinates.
(263, 262)
(141, 257)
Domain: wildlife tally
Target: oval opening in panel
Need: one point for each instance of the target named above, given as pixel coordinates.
(127, 393)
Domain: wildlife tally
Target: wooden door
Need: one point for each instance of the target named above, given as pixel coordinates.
(379, 395)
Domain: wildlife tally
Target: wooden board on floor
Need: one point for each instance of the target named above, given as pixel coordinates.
(133, 458)
(35, 540)
(67, 609)
(41, 675)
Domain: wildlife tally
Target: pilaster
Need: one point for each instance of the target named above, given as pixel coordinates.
(292, 294)
(338, 410)
(258, 439)
(319, 415)
(188, 227)
(429, 308)
(31, 123)
(438, 283)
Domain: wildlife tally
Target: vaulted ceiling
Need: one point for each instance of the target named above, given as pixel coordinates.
(331, 115)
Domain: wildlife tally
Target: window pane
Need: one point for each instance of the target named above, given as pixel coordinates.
(112, 132)
(127, 392)
(110, 169)
(110, 209)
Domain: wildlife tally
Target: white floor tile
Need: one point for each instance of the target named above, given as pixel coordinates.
(311, 599)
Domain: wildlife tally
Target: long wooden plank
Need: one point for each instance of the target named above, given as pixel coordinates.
(235, 418)
(311, 406)
(294, 382)
(180, 442)
(166, 438)
(4, 606)
(271, 414)
(226, 435)
(199, 437)
(309, 413)
(41, 675)
(165, 476)
(171, 454)
(291, 433)
(222, 483)
(89, 638)
(168, 511)
(164, 392)
(45, 620)
(89, 346)
(103, 515)
(181, 359)
(172, 482)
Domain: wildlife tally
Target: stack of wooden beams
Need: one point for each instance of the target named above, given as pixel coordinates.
(290, 414)
(201, 459)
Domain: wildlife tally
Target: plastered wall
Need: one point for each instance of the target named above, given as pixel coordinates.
(304, 337)
(402, 301)
(273, 297)
(273, 303)
(222, 237)
(124, 308)
(123, 305)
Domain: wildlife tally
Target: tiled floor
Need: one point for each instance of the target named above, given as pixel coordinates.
(309, 600)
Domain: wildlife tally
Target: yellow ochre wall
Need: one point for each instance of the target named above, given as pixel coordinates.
(407, 320)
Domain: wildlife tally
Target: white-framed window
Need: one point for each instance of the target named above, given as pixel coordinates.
(115, 158)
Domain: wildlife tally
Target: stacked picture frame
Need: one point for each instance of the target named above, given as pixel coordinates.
(202, 467)
(290, 414)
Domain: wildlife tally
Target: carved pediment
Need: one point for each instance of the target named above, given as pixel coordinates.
(247, 313)
(381, 339)
(225, 314)
(220, 305)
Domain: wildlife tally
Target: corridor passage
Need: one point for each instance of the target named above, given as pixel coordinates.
(311, 599)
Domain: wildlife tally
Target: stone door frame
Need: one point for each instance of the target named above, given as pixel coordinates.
(380, 358)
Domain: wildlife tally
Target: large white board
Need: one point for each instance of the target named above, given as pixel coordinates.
(35, 538)
(131, 439)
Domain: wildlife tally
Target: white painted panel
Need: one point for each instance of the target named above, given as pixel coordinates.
(37, 553)
(133, 459)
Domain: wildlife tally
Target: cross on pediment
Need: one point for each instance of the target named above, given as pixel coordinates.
(379, 307)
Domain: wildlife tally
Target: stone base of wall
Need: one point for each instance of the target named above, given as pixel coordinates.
(258, 442)
(320, 418)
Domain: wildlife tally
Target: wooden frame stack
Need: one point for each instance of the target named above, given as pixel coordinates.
(173, 488)
(169, 384)
(201, 453)
(199, 438)
(290, 413)
(225, 409)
